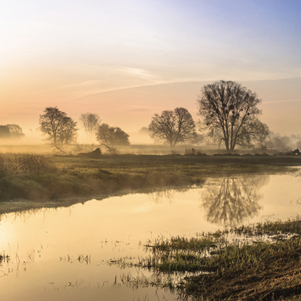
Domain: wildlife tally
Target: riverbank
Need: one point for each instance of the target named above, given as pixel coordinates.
(34, 181)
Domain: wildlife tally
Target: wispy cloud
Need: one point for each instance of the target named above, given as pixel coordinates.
(281, 101)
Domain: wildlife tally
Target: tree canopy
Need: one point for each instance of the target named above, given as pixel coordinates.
(229, 112)
(111, 136)
(11, 131)
(90, 122)
(58, 127)
(173, 127)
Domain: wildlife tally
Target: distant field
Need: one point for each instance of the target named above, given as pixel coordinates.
(26, 148)
(137, 149)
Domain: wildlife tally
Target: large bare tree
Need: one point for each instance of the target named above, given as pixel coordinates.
(174, 127)
(58, 127)
(229, 111)
(90, 122)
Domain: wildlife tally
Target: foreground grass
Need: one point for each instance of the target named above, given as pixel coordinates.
(267, 266)
(42, 178)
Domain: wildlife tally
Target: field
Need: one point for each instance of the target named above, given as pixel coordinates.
(36, 180)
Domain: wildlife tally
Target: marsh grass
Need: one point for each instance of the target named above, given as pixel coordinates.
(25, 164)
(80, 258)
(215, 268)
(32, 164)
(84, 259)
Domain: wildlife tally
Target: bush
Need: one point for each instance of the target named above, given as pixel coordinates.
(193, 152)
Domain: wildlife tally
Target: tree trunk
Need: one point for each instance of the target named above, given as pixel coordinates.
(227, 143)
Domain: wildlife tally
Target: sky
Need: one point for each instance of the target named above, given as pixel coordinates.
(127, 60)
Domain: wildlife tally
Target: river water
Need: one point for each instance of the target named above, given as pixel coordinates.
(67, 253)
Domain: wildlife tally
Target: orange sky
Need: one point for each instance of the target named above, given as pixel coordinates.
(128, 60)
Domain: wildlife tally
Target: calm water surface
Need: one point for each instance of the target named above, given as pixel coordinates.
(65, 253)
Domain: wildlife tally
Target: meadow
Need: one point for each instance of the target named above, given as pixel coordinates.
(37, 180)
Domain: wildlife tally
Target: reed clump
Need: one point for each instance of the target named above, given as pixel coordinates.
(33, 164)
(25, 164)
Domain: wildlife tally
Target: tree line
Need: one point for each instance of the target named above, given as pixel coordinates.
(229, 116)
(61, 129)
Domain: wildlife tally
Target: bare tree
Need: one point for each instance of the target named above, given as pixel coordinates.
(229, 111)
(259, 133)
(173, 127)
(90, 122)
(58, 127)
(111, 136)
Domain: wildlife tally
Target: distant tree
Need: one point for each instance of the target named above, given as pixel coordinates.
(58, 127)
(282, 143)
(11, 131)
(111, 136)
(229, 112)
(4, 131)
(173, 127)
(90, 122)
(15, 131)
(144, 130)
(199, 139)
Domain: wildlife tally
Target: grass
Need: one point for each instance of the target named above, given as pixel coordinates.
(265, 268)
(81, 259)
(57, 179)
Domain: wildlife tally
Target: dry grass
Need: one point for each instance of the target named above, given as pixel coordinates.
(44, 178)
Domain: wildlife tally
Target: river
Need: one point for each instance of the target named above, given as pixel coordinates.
(71, 253)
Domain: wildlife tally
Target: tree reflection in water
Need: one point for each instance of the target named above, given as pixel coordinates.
(231, 200)
(160, 196)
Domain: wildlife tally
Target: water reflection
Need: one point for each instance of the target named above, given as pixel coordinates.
(158, 197)
(68, 253)
(231, 200)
